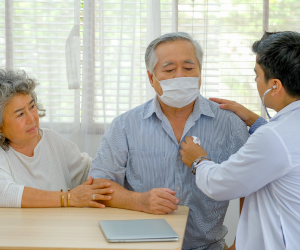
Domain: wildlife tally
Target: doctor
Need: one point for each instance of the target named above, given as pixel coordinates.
(266, 170)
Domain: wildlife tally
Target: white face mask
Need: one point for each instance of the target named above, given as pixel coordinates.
(179, 92)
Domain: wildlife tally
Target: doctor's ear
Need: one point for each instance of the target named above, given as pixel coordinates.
(276, 86)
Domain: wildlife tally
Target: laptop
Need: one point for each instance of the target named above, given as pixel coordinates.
(137, 230)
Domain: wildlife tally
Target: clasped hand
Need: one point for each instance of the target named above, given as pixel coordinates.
(89, 194)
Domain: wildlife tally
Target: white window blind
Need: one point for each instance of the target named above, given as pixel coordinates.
(114, 35)
(120, 41)
(241, 25)
(201, 20)
(39, 33)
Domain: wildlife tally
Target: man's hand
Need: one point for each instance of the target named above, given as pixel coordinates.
(159, 201)
(245, 114)
(191, 151)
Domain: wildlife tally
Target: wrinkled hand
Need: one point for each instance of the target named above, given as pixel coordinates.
(191, 151)
(245, 114)
(159, 201)
(82, 196)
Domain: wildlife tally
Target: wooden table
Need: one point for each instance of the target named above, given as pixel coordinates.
(76, 228)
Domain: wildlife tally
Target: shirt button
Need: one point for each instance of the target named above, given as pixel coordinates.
(179, 158)
(178, 188)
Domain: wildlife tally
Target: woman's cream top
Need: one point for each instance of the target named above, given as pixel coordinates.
(56, 164)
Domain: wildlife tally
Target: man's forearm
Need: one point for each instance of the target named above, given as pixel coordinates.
(154, 201)
(121, 197)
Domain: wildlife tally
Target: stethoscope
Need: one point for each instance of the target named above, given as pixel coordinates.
(263, 100)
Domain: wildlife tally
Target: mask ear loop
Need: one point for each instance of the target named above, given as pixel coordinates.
(158, 82)
(155, 77)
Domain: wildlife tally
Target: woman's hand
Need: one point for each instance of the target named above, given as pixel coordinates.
(88, 194)
(191, 151)
(245, 114)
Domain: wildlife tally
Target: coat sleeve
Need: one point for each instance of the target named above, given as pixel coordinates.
(263, 159)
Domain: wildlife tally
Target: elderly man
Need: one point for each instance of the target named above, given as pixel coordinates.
(140, 152)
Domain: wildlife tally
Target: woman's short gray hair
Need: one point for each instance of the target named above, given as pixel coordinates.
(151, 58)
(14, 82)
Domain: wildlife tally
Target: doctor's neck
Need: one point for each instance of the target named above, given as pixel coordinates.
(287, 100)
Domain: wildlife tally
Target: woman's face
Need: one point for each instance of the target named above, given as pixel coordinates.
(20, 120)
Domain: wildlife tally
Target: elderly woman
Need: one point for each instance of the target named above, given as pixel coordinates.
(38, 166)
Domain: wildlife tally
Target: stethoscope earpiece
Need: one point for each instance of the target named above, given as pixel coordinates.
(263, 100)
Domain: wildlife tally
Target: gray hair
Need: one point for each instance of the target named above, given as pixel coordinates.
(151, 58)
(14, 82)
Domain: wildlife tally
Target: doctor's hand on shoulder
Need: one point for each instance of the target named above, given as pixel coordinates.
(245, 114)
(191, 151)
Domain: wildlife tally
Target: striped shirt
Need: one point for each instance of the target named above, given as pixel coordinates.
(140, 151)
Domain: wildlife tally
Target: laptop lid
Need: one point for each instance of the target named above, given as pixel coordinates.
(137, 230)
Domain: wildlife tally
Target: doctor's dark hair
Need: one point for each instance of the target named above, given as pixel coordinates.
(278, 54)
(151, 58)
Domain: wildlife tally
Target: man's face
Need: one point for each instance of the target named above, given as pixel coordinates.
(175, 59)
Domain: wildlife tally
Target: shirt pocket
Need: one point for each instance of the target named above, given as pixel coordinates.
(145, 170)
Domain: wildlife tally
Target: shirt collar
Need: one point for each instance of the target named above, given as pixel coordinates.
(201, 107)
(292, 106)
(153, 107)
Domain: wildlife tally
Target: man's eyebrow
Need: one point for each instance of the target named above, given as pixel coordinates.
(189, 61)
(167, 64)
(18, 110)
(171, 63)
